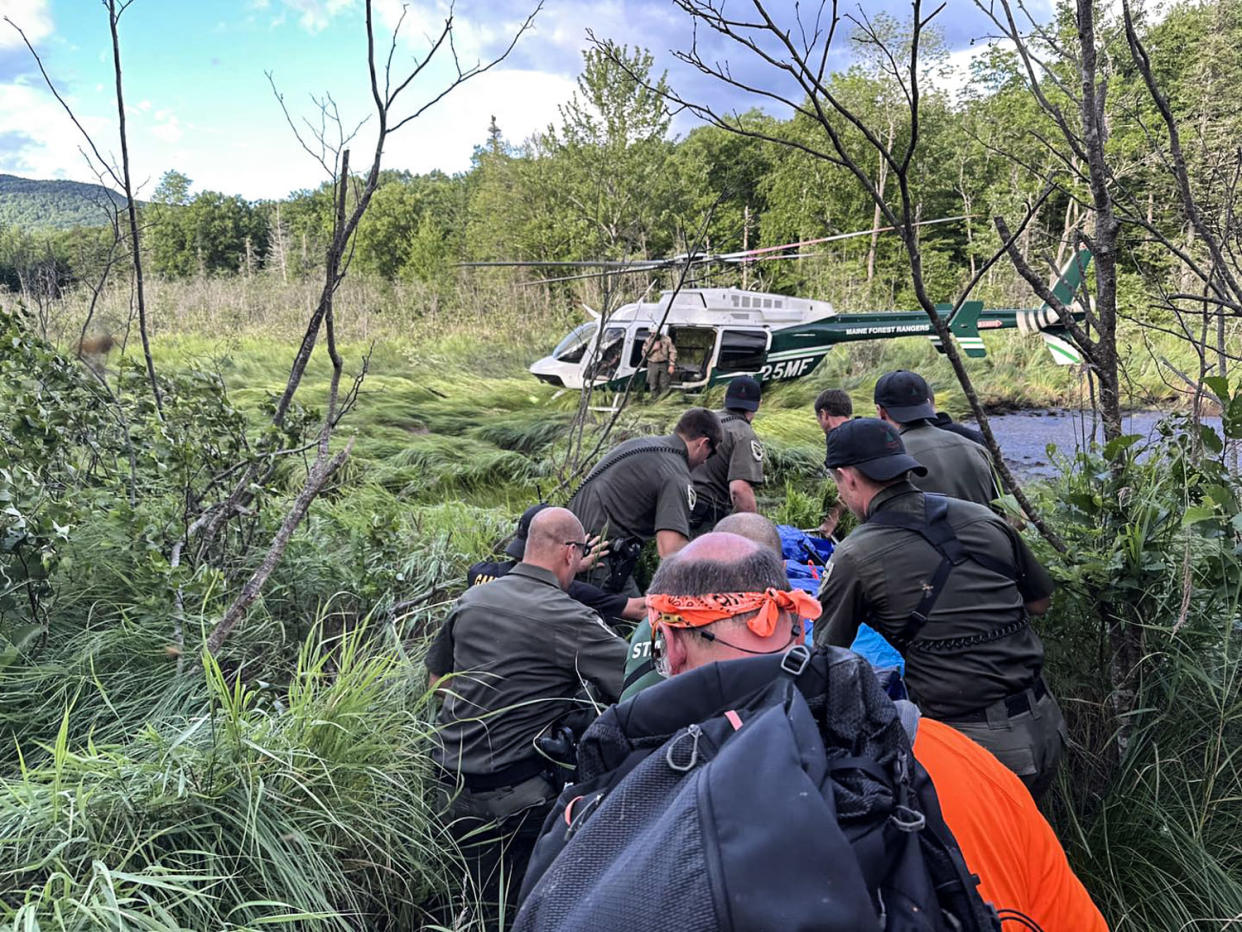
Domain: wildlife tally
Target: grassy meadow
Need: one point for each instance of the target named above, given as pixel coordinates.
(287, 781)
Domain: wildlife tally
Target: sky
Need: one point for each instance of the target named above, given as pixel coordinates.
(199, 100)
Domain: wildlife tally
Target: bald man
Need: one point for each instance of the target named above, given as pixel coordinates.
(1003, 837)
(527, 655)
(639, 668)
(752, 526)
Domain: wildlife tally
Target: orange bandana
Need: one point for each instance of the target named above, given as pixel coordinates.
(695, 611)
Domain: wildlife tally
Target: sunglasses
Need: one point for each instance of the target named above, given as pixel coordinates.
(659, 645)
(582, 546)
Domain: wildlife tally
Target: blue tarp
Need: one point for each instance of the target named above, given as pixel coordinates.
(802, 553)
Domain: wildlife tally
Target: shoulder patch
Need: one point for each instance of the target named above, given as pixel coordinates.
(756, 450)
(692, 497)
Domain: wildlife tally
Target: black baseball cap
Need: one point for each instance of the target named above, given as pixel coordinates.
(904, 395)
(517, 546)
(743, 393)
(873, 447)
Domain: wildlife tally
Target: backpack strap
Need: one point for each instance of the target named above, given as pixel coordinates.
(647, 666)
(937, 531)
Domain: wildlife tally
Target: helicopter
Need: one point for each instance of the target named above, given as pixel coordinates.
(721, 333)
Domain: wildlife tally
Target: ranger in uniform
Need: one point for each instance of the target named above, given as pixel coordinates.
(641, 490)
(951, 586)
(608, 605)
(661, 356)
(525, 653)
(955, 466)
(944, 422)
(726, 482)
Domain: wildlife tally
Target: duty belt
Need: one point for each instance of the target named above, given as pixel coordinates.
(1017, 704)
(506, 776)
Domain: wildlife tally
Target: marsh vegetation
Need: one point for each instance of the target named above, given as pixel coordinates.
(157, 775)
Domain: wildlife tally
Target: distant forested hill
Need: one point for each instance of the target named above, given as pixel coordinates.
(57, 205)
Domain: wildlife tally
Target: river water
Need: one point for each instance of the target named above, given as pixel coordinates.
(1024, 435)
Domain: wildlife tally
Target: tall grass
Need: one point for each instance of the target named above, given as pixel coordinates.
(236, 806)
(288, 784)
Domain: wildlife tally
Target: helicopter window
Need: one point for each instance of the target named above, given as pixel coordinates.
(574, 345)
(742, 350)
(609, 355)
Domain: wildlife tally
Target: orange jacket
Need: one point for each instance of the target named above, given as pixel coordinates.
(1003, 836)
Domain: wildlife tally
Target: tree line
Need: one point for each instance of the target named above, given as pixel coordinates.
(607, 181)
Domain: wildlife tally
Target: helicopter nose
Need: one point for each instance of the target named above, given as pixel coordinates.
(555, 372)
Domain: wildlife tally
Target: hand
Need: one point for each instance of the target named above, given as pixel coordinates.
(829, 525)
(596, 550)
(670, 369)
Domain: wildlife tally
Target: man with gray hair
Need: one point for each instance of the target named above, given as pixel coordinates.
(527, 655)
(639, 667)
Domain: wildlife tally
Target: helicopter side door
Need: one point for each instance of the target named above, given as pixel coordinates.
(696, 351)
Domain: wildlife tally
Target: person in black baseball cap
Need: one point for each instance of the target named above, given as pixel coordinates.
(952, 586)
(956, 466)
(743, 394)
(725, 483)
(517, 546)
(903, 395)
(873, 448)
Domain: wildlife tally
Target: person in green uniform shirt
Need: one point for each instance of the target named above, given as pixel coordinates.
(640, 669)
(661, 356)
(833, 408)
(522, 650)
(955, 466)
(642, 490)
(951, 586)
(726, 481)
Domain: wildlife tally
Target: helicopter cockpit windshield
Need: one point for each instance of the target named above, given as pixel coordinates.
(572, 348)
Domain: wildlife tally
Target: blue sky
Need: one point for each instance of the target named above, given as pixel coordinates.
(198, 99)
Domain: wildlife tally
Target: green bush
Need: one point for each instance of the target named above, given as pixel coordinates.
(1152, 814)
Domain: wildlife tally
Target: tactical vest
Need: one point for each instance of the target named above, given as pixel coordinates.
(937, 531)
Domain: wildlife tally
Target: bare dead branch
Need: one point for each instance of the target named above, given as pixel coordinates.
(318, 478)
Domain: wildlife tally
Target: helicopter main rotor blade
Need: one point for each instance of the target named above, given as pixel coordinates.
(626, 266)
(752, 255)
(592, 263)
(604, 274)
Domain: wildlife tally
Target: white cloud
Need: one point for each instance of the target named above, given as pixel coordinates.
(523, 102)
(315, 15)
(33, 16)
(55, 143)
(167, 127)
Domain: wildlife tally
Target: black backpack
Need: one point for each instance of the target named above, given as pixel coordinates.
(777, 792)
